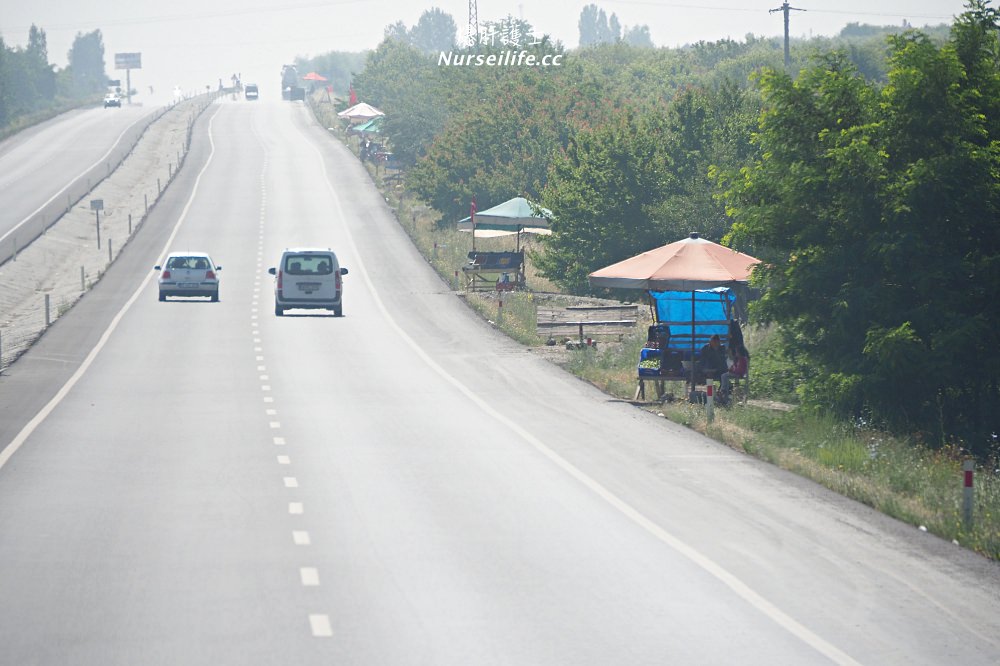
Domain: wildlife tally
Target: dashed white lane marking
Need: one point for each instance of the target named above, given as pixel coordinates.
(265, 387)
(301, 538)
(268, 399)
(259, 358)
(264, 378)
(256, 341)
(291, 482)
(320, 626)
(309, 576)
(279, 441)
(284, 460)
(261, 368)
(296, 508)
(271, 412)
(275, 424)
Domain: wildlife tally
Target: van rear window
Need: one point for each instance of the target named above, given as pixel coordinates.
(308, 264)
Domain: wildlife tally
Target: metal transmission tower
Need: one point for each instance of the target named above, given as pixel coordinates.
(783, 8)
(473, 21)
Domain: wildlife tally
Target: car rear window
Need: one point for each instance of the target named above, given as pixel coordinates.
(308, 264)
(200, 263)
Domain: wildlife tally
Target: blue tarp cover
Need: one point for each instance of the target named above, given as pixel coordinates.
(712, 308)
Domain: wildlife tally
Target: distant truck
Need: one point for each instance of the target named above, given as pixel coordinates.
(290, 88)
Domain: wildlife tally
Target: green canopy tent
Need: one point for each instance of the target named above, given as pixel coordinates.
(512, 217)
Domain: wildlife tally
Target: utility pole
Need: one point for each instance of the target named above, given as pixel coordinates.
(473, 21)
(783, 8)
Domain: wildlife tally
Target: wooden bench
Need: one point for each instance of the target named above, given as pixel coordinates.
(605, 320)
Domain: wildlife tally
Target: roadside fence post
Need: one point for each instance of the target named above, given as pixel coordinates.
(109, 251)
(130, 224)
(500, 311)
(48, 319)
(968, 471)
(83, 281)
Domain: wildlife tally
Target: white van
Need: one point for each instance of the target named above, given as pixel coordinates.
(308, 278)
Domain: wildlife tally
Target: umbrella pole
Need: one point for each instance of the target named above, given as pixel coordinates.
(692, 341)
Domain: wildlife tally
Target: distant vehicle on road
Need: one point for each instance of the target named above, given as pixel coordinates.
(112, 99)
(290, 88)
(251, 91)
(308, 278)
(189, 274)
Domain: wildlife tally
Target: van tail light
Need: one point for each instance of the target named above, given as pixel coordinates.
(166, 275)
(279, 280)
(209, 275)
(337, 280)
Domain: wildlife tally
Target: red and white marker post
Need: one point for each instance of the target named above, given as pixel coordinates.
(968, 495)
(709, 400)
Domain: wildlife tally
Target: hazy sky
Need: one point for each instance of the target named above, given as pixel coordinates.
(193, 43)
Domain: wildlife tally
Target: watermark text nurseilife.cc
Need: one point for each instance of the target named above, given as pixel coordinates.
(503, 59)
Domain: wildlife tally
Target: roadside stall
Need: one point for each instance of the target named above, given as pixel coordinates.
(502, 271)
(695, 288)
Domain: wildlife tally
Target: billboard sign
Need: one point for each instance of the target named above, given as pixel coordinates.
(128, 61)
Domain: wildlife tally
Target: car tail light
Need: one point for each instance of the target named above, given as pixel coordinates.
(209, 275)
(166, 275)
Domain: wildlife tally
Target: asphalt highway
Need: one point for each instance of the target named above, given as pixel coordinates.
(205, 483)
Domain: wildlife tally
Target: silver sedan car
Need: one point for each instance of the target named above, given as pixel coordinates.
(189, 274)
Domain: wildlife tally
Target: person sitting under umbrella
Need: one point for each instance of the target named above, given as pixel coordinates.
(712, 358)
